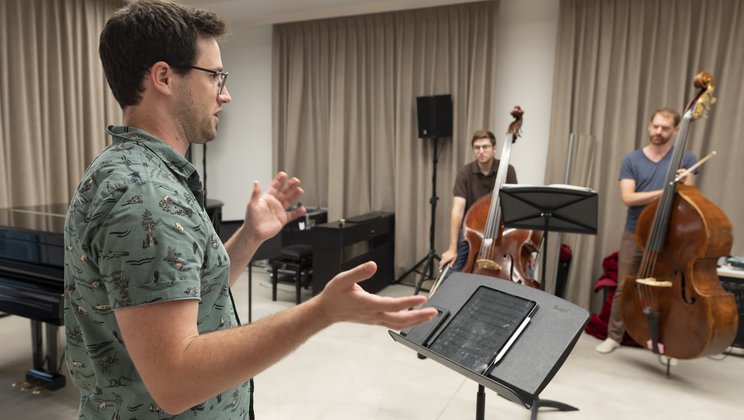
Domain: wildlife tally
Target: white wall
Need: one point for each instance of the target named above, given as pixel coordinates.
(243, 153)
(526, 53)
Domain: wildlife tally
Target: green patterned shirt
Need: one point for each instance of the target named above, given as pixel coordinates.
(137, 233)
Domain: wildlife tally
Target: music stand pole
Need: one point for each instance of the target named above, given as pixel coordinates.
(480, 403)
(544, 268)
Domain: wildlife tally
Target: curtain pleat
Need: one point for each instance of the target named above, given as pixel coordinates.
(55, 102)
(344, 111)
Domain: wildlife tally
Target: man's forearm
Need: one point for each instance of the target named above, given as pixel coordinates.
(241, 247)
(211, 363)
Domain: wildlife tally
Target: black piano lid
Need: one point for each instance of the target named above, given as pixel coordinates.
(33, 234)
(48, 218)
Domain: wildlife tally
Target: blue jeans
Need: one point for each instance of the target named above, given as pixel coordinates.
(462, 253)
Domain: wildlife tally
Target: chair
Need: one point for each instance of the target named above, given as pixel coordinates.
(297, 261)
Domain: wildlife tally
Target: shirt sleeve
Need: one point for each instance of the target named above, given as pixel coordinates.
(461, 183)
(511, 175)
(626, 169)
(145, 246)
(688, 160)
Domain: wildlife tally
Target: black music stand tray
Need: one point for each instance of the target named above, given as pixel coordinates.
(530, 363)
(560, 208)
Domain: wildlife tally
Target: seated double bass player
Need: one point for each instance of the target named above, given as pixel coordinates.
(474, 180)
(483, 245)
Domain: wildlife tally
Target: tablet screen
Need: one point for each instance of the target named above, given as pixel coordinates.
(479, 331)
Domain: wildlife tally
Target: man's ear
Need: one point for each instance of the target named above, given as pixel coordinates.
(160, 77)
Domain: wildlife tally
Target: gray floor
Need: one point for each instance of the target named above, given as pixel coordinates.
(358, 372)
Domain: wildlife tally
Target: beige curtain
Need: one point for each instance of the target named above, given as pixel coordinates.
(54, 102)
(616, 62)
(344, 111)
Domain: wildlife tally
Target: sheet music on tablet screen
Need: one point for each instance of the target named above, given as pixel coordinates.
(480, 334)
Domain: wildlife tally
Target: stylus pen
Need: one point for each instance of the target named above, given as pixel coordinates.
(508, 344)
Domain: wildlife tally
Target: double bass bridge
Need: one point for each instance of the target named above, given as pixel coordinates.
(652, 282)
(484, 264)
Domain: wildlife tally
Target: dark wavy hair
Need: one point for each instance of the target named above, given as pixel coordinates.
(483, 134)
(147, 31)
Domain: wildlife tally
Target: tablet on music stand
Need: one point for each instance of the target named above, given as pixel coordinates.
(481, 333)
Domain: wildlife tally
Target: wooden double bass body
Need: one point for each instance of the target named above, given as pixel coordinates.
(696, 316)
(676, 305)
(494, 251)
(508, 256)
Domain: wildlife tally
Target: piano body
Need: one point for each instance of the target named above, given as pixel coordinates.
(32, 282)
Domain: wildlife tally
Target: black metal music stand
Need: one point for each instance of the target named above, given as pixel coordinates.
(560, 208)
(532, 361)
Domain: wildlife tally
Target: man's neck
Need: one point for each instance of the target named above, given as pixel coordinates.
(485, 168)
(158, 125)
(656, 152)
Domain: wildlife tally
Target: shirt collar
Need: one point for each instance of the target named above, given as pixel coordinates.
(476, 169)
(176, 162)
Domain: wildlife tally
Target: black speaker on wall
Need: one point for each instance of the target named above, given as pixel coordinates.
(434, 116)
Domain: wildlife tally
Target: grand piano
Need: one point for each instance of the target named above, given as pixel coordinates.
(32, 282)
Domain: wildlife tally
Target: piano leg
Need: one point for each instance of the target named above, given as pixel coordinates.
(37, 345)
(49, 378)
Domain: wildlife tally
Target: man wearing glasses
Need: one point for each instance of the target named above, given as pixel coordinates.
(151, 331)
(473, 181)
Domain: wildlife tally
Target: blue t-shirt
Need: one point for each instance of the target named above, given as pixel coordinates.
(648, 176)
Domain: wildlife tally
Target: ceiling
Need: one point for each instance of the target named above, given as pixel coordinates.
(262, 12)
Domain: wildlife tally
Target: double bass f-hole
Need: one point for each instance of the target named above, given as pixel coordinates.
(683, 288)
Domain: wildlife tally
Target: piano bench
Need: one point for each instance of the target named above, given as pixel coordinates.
(297, 261)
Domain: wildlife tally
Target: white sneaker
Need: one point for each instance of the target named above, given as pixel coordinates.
(664, 360)
(607, 346)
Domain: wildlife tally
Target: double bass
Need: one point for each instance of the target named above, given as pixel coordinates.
(494, 251)
(675, 305)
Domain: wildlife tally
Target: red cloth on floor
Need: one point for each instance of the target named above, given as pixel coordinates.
(607, 282)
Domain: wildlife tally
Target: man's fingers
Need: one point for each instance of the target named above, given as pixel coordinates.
(359, 273)
(404, 319)
(256, 193)
(299, 211)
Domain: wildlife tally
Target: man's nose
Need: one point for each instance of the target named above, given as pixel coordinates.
(225, 96)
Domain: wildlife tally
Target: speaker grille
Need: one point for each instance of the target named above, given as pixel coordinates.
(434, 116)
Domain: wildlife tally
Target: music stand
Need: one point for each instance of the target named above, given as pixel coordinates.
(560, 208)
(531, 362)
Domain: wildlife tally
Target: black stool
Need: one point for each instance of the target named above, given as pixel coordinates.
(296, 259)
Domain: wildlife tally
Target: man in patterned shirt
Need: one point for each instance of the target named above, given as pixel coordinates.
(151, 330)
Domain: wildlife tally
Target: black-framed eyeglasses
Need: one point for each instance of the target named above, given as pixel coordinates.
(222, 76)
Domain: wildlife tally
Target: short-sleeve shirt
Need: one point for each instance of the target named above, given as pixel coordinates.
(471, 184)
(648, 176)
(136, 234)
